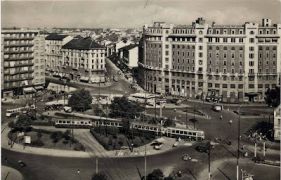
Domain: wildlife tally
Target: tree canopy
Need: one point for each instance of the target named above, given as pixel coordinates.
(99, 176)
(156, 174)
(273, 97)
(122, 107)
(23, 121)
(80, 100)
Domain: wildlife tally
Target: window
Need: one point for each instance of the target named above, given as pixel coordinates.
(251, 55)
(200, 54)
(252, 32)
(166, 53)
(251, 48)
(252, 40)
(200, 47)
(167, 46)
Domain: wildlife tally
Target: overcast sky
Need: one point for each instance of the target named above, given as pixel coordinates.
(134, 13)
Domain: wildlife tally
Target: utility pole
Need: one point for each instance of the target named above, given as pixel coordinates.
(145, 162)
(186, 115)
(97, 165)
(209, 161)
(263, 149)
(255, 153)
(238, 146)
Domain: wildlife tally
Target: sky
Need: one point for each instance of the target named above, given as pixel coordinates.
(133, 13)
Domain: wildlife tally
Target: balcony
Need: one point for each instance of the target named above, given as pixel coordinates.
(18, 45)
(18, 79)
(18, 38)
(19, 72)
(16, 52)
(19, 65)
(19, 58)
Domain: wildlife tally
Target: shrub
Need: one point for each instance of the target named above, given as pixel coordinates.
(38, 143)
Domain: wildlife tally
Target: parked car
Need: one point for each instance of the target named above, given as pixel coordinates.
(217, 108)
(186, 157)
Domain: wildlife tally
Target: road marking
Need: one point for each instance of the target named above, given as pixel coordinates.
(3, 130)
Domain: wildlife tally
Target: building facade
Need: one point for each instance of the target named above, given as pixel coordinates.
(83, 60)
(237, 62)
(277, 119)
(23, 61)
(129, 55)
(53, 44)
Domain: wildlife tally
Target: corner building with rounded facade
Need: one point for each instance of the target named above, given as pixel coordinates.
(237, 62)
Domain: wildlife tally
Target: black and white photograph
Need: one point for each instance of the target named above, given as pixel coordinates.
(140, 89)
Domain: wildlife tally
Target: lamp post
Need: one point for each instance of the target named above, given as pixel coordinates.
(238, 146)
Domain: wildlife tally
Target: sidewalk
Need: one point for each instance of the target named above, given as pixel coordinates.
(230, 105)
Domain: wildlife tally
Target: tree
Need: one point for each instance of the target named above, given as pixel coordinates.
(122, 107)
(23, 121)
(80, 100)
(273, 97)
(99, 176)
(169, 123)
(156, 174)
(193, 120)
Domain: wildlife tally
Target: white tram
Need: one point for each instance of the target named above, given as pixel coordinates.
(167, 131)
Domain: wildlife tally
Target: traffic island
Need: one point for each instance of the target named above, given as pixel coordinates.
(9, 173)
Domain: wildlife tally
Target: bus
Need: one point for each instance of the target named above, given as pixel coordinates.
(17, 111)
(142, 98)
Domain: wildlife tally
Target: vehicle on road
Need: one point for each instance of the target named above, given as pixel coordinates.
(186, 157)
(217, 108)
(204, 147)
(21, 163)
(67, 109)
(175, 144)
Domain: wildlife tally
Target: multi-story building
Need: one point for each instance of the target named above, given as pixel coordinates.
(277, 119)
(238, 62)
(129, 55)
(23, 61)
(53, 44)
(84, 59)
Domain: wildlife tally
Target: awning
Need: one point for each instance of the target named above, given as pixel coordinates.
(29, 90)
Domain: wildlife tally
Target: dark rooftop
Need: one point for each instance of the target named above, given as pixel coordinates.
(131, 46)
(82, 44)
(56, 37)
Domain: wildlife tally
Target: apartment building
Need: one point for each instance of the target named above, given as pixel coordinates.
(83, 60)
(129, 55)
(237, 62)
(23, 61)
(53, 44)
(277, 119)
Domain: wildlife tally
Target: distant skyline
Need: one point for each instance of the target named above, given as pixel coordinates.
(133, 13)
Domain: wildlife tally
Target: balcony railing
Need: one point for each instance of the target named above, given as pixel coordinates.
(18, 45)
(18, 38)
(19, 72)
(16, 52)
(19, 58)
(19, 65)
(18, 79)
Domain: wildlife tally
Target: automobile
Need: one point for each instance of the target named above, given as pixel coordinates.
(21, 163)
(203, 148)
(158, 147)
(175, 144)
(186, 157)
(217, 108)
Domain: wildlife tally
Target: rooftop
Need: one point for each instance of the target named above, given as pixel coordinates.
(129, 47)
(82, 44)
(56, 37)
